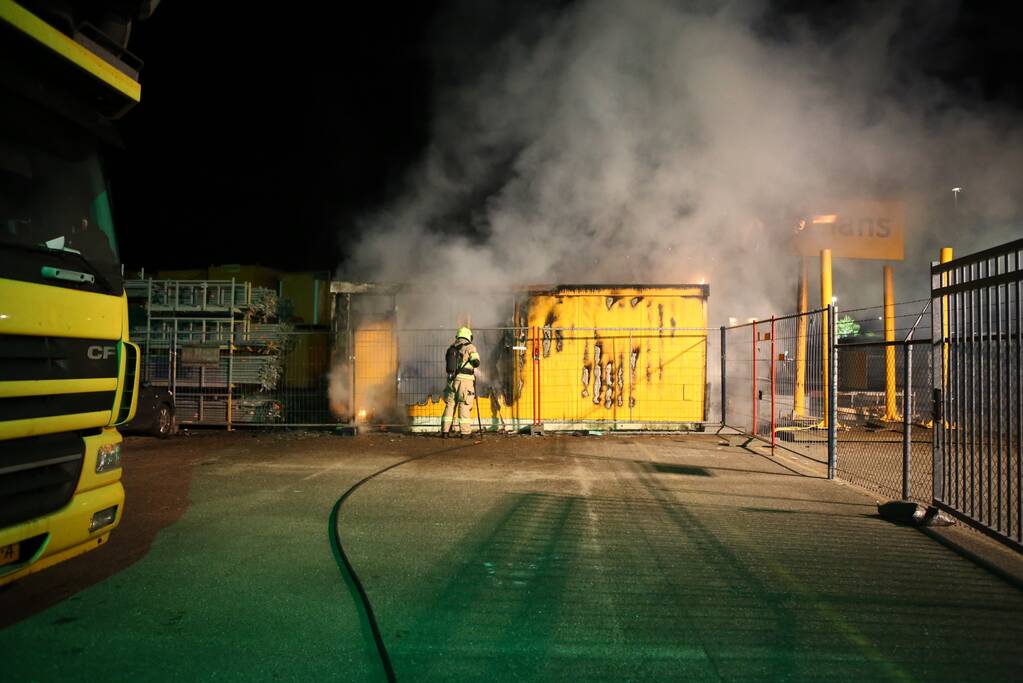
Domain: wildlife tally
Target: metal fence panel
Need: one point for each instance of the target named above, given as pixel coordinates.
(738, 378)
(775, 383)
(623, 378)
(799, 415)
(256, 375)
(978, 311)
(421, 377)
(562, 378)
(872, 426)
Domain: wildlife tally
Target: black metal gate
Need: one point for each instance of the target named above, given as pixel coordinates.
(977, 313)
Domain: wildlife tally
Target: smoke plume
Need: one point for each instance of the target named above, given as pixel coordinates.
(673, 142)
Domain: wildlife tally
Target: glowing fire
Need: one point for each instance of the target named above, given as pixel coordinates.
(827, 218)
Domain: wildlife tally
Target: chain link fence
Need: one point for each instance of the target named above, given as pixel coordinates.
(775, 382)
(884, 399)
(778, 372)
(257, 375)
(623, 378)
(885, 417)
(549, 378)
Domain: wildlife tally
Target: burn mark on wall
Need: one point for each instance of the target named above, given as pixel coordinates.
(559, 340)
(609, 384)
(633, 361)
(634, 301)
(498, 366)
(620, 383)
(672, 327)
(548, 324)
(660, 316)
(598, 350)
(586, 371)
(610, 301)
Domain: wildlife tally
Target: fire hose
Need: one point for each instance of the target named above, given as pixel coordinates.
(348, 573)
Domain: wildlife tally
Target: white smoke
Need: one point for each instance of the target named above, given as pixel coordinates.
(667, 142)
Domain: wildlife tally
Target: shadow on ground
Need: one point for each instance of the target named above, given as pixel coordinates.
(664, 584)
(156, 496)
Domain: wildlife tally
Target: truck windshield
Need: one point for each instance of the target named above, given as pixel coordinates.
(53, 200)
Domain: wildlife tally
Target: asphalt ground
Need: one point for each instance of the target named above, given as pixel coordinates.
(537, 558)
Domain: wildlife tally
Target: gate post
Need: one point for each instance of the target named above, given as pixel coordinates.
(756, 401)
(723, 374)
(230, 369)
(831, 351)
(907, 408)
(939, 376)
(773, 412)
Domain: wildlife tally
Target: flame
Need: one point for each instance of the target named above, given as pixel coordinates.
(826, 218)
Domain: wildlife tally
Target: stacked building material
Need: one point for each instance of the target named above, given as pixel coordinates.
(216, 344)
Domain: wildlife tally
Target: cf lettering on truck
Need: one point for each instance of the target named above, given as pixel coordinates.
(68, 374)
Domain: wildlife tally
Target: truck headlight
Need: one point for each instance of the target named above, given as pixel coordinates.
(108, 457)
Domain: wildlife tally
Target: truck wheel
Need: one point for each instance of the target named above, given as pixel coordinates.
(164, 421)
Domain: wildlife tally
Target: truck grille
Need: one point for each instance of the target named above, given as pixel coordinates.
(38, 475)
(30, 358)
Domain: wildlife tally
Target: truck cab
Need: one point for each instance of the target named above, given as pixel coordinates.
(68, 373)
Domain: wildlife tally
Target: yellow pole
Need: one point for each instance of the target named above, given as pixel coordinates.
(891, 411)
(799, 398)
(946, 256)
(826, 297)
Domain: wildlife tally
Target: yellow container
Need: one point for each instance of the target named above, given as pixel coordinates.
(376, 371)
(616, 357)
(629, 357)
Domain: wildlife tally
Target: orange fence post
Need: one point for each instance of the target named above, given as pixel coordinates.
(755, 401)
(772, 383)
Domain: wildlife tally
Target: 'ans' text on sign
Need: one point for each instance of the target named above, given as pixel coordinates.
(854, 229)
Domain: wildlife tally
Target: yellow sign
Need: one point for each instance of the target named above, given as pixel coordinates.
(854, 229)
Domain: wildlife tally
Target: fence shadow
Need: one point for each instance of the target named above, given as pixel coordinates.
(554, 586)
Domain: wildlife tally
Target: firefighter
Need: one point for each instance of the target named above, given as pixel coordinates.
(461, 361)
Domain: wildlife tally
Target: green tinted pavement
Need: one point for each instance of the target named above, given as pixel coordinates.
(642, 558)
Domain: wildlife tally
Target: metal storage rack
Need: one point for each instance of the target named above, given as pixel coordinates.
(234, 318)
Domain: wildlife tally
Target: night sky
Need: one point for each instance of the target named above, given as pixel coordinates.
(259, 137)
(262, 137)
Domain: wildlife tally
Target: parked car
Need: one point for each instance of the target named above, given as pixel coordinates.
(155, 413)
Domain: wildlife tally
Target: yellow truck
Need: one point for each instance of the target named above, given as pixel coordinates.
(68, 374)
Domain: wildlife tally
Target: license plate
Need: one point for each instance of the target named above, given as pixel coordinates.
(10, 553)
